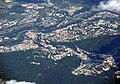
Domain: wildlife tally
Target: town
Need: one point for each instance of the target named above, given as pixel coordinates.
(45, 27)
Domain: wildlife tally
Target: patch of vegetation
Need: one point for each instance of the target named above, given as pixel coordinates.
(7, 3)
(39, 54)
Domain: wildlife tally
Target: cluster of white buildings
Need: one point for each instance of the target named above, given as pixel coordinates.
(8, 0)
(6, 23)
(26, 45)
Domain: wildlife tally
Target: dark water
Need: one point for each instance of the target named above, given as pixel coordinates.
(16, 66)
(40, 1)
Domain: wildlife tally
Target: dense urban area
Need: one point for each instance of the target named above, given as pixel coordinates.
(49, 29)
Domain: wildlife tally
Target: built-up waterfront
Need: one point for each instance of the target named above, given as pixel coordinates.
(47, 24)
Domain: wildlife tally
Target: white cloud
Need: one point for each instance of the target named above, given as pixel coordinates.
(15, 82)
(113, 5)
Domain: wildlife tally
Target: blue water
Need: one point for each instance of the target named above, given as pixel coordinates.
(40, 1)
(16, 66)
